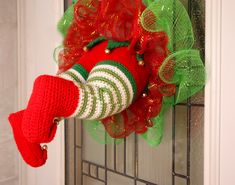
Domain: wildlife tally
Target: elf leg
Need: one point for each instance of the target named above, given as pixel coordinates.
(110, 88)
(32, 153)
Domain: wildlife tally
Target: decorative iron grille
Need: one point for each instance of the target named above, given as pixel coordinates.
(177, 161)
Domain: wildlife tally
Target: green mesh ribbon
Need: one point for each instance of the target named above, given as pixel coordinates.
(97, 131)
(172, 18)
(66, 21)
(186, 70)
(148, 2)
(154, 134)
(183, 67)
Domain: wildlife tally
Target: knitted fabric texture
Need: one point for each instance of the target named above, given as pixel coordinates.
(113, 83)
(77, 74)
(120, 55)
(32, 153)
(51, 97)
(109, 89)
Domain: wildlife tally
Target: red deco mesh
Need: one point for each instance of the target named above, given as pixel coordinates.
(119, 20)
(82, 31)
(137, 118)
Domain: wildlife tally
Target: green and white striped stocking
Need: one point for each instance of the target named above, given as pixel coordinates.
(109, 89)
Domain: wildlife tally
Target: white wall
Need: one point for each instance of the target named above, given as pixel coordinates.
(8, 91)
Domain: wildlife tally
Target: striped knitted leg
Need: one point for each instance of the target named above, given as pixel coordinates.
(77, 74)
(110, 88)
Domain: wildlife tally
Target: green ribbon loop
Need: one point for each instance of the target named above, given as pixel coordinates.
(74, 1)
(65, 22)
(172, 18)
(97, 131)
(188, 73)
(154, 134)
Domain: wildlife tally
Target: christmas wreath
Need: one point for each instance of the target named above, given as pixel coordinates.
(122, 64)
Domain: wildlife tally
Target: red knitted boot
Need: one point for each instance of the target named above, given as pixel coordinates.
(52, 97)
(32, 153)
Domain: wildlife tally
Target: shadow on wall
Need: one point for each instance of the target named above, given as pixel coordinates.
(8, 90)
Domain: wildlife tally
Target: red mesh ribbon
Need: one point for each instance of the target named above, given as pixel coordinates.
(110, 18)
(119, 20)
(137, 118)
(82, 31)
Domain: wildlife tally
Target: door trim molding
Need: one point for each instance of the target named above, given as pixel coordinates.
(212, 93)
(28, 68)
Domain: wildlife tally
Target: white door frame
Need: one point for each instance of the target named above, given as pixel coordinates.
(219, 100)
(35, 57)
(212, 93)
(37, 37)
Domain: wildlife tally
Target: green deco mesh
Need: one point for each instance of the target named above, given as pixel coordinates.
(170, 17)
(183, 67)
(188, 73)
(154, 134)
(148, 2)
(66, 21)
(97, 131)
